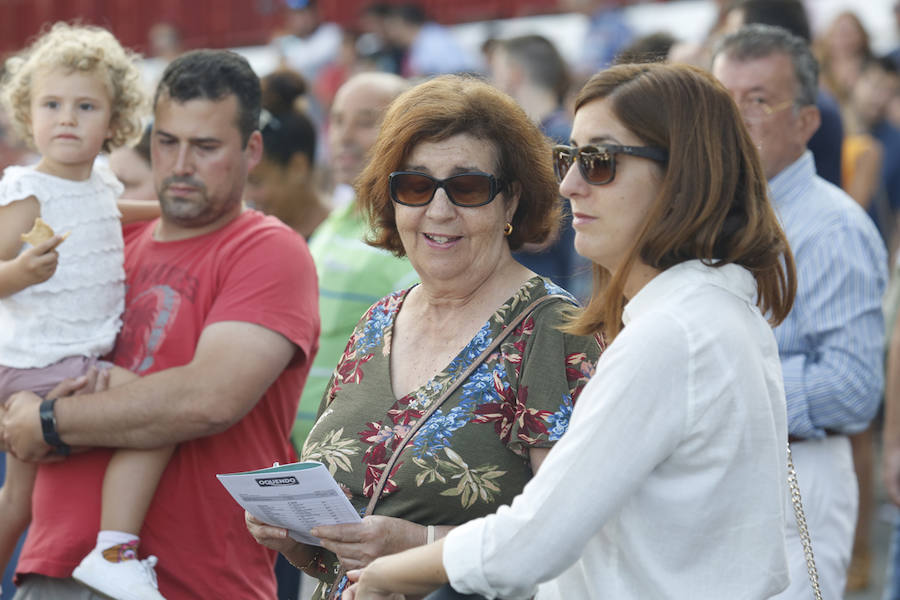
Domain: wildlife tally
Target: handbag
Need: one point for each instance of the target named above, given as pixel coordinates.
(395, 456)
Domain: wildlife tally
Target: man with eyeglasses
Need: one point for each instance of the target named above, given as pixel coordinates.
(831, 343)
(825, 143)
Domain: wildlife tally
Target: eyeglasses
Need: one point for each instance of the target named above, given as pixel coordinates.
(758, 108)
(597, 164)
(412, 188)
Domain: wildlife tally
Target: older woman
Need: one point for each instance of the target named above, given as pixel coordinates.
(671, 480)
(458, 180)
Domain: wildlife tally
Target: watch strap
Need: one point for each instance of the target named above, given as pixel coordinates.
(48, 427)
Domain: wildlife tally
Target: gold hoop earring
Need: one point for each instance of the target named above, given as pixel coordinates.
(508, 229)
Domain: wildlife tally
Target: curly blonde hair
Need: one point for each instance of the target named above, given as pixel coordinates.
(84, 49)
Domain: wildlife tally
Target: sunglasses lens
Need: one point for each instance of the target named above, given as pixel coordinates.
(596, 166)
(469, 190)
(562, 162)
(412, 189)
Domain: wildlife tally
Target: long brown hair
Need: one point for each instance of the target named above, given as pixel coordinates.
(712, 203)
(441, 108)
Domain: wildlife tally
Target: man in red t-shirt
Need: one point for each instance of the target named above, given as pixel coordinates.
(221, 322)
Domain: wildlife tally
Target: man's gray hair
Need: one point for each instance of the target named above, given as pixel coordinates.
(759, 41)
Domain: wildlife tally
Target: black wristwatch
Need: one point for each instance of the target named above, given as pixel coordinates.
(48, 426)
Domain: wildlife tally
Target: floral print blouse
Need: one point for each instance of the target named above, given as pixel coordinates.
(472, 455)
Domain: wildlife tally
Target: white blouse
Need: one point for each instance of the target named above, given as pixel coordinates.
(671, 481)
(77, 312)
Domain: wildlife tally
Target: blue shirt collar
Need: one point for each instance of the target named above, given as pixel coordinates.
(785, 187)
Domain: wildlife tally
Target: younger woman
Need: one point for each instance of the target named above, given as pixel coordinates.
(671, 479)
(73, 93)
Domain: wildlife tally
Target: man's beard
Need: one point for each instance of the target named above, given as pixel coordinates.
(190, 210)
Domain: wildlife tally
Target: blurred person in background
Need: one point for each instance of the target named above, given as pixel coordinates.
(428, 48)
(283, 184)
(870, 175)
(165, 41)
(877, 86)
(842, 50)
(352, 274)
(308, 43)
(131, 165)
(861, 163)
(284, 90)
(164, 44)
(530, 69)
(699, 53)
(13, 151)
(373, 42)
(333, 75)
(606, 34)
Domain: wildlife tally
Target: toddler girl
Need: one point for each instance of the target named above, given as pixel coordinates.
(71, 94)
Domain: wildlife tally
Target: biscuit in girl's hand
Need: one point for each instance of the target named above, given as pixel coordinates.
(40, 233)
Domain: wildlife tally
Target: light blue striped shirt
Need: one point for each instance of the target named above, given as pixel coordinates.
(832, 342)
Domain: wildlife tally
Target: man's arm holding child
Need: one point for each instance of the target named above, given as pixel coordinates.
(234, 364)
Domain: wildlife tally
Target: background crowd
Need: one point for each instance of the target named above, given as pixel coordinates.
(325, 90)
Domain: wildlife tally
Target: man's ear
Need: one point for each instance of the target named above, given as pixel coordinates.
(253, 150)
(808, 121)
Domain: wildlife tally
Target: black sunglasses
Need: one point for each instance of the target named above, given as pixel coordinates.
(597, 164)
(466, 189)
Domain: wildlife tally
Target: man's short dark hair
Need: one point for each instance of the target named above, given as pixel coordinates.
(215, 75)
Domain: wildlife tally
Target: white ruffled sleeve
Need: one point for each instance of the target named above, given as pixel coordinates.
(19, 183)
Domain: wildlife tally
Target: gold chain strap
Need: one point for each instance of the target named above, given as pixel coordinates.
(801, 526)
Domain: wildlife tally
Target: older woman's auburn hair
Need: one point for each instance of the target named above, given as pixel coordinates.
(712, 203)
(455, 104)
(78, 49)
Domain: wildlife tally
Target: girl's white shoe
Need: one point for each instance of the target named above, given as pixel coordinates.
(126, 580)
